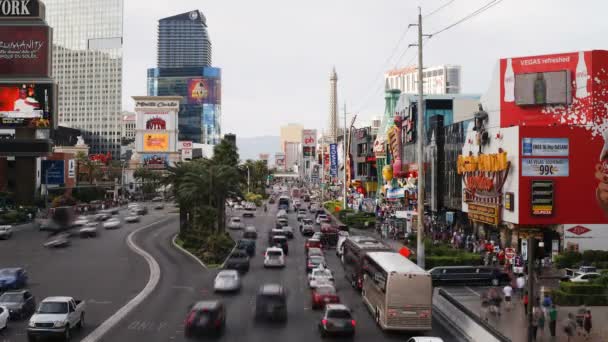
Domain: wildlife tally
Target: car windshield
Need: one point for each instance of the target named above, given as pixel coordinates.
(340, 314)
(326, 290)
(316, 260)
(53, 308)
(8, 273)
(236, 219)
(274, 253)
(321, 273)
(238, 255)
(226, 276)
(11, 298)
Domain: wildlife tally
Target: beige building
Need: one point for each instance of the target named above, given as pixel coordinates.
(291, 133)
(127, 128)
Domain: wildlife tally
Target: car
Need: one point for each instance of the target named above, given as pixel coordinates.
(322, 218)
(249, 212)
(281, 242)
(56, 317)
(227, 280)
(307, 230)
(288, 232)
(102, 217)
(329, 235)
(58, 241)
(323, 295)
(20, 304)
(274, 257)
(238, 260)
(281, 222)
(6, 232)
(157, 199)
(337, 320)
(314, 251)
(235, 223)
(282, 213)
(316, 235)
(297, 204)
(45, 224)
(159, 206)
(584, 277)
(114, 211)
(80, 221)
(132, 218)
(113, 223)
(312, 243)
(314, 261)
(139, 210)
(4, 315)
(301, 214)
(246, 245)
(425, 339)
(306, 222)
(340, 245)
(250, 233)
(274, 232)
(272, 200)
(470, 275)
(320, 276)
(12, 278)
(271, 303)
(88, 231)
(205, 318)
(238, 207)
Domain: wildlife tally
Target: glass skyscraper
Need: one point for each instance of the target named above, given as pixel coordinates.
(184, 69)
(87, 65)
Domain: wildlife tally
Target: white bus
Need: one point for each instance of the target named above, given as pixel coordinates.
(397, 292)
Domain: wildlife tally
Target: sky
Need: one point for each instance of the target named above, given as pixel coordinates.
(276, 56)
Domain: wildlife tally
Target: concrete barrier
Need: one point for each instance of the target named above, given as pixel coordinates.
(463, 320)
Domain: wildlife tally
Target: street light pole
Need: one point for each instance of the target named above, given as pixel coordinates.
(420, 129)
(344, 157)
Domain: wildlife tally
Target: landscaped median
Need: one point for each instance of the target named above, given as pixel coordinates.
(211, 250)
(589, 294)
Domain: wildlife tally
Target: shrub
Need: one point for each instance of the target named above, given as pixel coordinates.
(459, 260)
(562, 298)
(568, 259)
(582, 288)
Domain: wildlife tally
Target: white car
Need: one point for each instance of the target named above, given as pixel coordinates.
(112, 223)
(81, 221)
(425, 339)
(585, 277)
(235, 223)
(340, 245)
(3, 318)
(238, 207)
(322, 218)
(319, 276)
(274, 257)
(227, 280)
(132, 218)
(89, 230)
(6, 232)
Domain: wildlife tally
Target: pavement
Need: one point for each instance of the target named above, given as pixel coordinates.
(184, 281)
(103, 271)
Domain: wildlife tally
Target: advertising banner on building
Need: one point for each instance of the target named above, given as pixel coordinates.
(582, 237)
(279, 160)
(333, 159)
(309, 138)
(157, 120)
(545, 147)
(20, 9)
(53, 172)
(204, 90)
(156, 142)
(25, 50)
(26, 105)
(155, 161)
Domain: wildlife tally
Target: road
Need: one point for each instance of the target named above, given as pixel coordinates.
(103, 271)
(183, 281)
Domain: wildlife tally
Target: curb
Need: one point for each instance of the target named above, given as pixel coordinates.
(113, 320)
(185, 251)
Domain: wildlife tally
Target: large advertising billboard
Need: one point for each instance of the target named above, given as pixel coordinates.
(26, 105)
(204, 90)
(279, 160)
(156, 120)
(309, 138)
(156, 142)
(155, 161)
(25, 51)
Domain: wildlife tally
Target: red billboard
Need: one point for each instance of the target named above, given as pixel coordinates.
(560, 103)
(26, 105)
(25, 51)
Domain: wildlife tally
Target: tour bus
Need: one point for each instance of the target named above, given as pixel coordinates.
(284, 203)
(397, 292)
(354, 249)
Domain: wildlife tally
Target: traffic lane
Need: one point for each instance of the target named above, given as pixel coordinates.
(103, 271)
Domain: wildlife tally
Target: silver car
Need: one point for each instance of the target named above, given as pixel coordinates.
(112, 223)
(227, 280)
(132, 218)
(6, 232)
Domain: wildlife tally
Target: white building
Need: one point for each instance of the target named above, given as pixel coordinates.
(127, 127)
(87, 66)
(440, 79)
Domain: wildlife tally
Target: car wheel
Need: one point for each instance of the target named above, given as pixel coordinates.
(377, 316)
(81, 322)
(66, 334)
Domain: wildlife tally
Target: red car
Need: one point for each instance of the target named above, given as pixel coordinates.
(325, 294)
(312, 243)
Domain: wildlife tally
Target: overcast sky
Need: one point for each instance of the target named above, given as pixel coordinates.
(276, 56)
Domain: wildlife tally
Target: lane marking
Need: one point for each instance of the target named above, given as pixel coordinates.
(188, 288)
(119, 315)
(474, 292)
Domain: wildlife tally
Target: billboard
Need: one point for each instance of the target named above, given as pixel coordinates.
(25, 51)
(53, 172)
(204, 90)
(309, 138)
(279, 160)
(156, 120)
(333, 159)
(26, 105)
(155, 161)
(21, 9)
(156, 142)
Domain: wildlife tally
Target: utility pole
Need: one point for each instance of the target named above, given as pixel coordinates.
(531, 277)
(323, 168)
(344, 157)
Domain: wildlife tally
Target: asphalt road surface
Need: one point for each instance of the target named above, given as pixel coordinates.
(103, 271)
(183, 281)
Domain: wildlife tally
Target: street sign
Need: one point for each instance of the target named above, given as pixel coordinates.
(53, 172)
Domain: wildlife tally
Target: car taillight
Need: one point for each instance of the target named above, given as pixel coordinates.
(353, 322)
(190, 318)
(324, 322)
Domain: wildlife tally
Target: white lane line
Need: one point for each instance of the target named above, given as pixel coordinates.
(113, 320)
(474, 292)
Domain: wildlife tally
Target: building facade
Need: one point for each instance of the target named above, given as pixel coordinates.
(87, 65)
(127, 127)
(183, 41)
(440, 79)
(291, 133)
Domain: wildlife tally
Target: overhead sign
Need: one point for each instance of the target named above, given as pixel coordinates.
(156, 142)
(333, 159)
(395, 193)
(53, 172)
(20, 9)
(489, 213)
(543, 167)
(25, 51)
(26, 105)
(545, 147)
(309, 138)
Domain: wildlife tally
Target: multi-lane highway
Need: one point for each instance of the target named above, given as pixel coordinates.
(103, 271)
(183, 281)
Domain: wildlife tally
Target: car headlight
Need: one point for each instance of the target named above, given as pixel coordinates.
(31, 324)
(59, 324)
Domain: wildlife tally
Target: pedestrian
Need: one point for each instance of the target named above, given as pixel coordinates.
(536, 315)
(508, 292)
(485, 305)
(552, 319)
(570, 326)
(547, 303)
(587, 324)
(541, 321)
(525, 300)
(520, 283)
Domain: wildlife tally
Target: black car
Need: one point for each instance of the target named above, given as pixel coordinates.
(271, 303)
(275, 232)
(249, 212)
(250, 233)
(20, 304)
(470, 275)
(205, 318)
(140, 210)
(337, 320)
(307, 231)
(238, 260)
(281, 242)
(246, 245)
